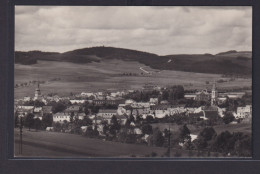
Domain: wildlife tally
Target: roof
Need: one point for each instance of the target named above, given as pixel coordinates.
(61, 114)
(47, 109)
(209, 108)
(210, 114)
(107, 111)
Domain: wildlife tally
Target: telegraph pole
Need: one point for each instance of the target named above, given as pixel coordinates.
(169, 141)
(21, 136)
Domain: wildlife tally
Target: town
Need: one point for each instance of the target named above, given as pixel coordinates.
(169, 117)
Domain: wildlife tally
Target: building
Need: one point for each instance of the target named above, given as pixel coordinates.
(190, 96)
(244, 112)
(214, 95)
(107, 113)
(47, 110)
(202, 96)
(153, 101)
(111, 102)
(77, 101)
(160, 111)
(61, 117)
(73, 109)
(37, 94)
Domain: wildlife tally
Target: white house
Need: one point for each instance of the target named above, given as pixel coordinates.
(153, 101)
(160, 111)
(77, 101)
(26, 98)
(244, 112)
(107, 113)
(61, 117)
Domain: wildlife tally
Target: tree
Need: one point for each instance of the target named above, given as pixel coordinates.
(86, 111)
(184, 134)
(228, 117)
(115, 126)
(16, 120)
(157, 137)
(206, 135)
(222, 142)
(86, 121)
(28, 122)
(149, 119)
(71, 117)
(105, 127)
(47, 120)
(37, 124)
(147, 129)
(58, 107)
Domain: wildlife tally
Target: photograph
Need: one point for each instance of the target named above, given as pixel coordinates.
(133, 82)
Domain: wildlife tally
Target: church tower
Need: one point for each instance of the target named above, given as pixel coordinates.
(214, 94)
(37, 94)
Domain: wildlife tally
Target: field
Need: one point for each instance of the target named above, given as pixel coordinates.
(105, 75)
(53, 144)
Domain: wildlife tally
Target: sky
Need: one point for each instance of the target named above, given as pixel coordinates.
(160, 30)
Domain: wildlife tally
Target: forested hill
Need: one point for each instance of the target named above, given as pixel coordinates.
(231, 62)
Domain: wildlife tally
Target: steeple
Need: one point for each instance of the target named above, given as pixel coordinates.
(214, 94)
(37, 93)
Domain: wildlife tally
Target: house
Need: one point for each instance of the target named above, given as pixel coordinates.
(111, 102)
(232, 95)
(87, 94)
(47, 110)
(73, 109)
(26, 98)
(107, 113)
(81, 116)
(129, 102)
(160, 111)
(190, 96)
(164, 102)
(140, 108)
(77, 101)
(61, 117)
(23, 112)
(153, 101)
(202, 96)
(121, 109)
(244, 112)
(26, 107)
(37, 109)
(137, 131)
(177, 109)
(209, 114)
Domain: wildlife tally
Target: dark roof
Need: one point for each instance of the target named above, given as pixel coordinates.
(211, 114)
(107, 111)
(47, 109)
(209, 108)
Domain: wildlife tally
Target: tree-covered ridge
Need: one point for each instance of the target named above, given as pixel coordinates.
(237, 64)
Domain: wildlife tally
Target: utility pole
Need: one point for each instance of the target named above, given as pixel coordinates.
(21, 136)
(169, 141)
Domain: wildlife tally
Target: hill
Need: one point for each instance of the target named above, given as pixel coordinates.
(222, 63)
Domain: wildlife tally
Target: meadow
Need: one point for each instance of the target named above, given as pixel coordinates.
(107, 75)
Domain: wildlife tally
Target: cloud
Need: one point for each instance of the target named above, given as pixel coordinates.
(160, 30)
